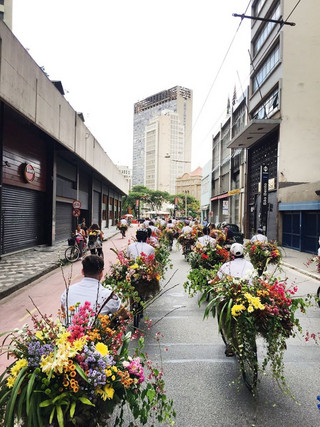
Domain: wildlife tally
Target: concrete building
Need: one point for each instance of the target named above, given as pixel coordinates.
(229, 169)
(6, 12)
(206, 190)
(164, 152)
(167, 129)
(190, 183)
(127, 173)
(283, 129)
(52, 168)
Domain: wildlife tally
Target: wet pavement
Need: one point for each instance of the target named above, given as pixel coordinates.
(19, 269)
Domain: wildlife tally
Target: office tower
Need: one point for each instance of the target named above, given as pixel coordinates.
(165, 119)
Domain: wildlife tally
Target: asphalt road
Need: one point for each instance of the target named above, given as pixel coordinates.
(205, 385)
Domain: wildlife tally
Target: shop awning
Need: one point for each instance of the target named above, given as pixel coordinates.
(221, 196)
(253, 132)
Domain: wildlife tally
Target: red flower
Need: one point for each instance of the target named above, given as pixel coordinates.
(204, 256)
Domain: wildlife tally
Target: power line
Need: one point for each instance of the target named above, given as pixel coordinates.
(218, 72)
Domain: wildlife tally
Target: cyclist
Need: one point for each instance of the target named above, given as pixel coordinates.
(259, 236)
(206, 239)
(140, 246)
(80, 237)
(238, 267)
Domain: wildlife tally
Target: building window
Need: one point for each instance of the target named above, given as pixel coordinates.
(266, 29)
(265, 70)
(257, 7)
(269, 106)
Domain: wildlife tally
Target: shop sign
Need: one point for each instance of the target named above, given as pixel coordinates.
(76, 204)
(29, 173)
(225, 207)
(233, 192)
(76, 212)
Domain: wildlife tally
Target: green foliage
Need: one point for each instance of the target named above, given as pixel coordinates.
(198, 279)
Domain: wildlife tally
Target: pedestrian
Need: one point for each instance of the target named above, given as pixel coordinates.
(90, 289)
(95, 237)
(259, 236)
(205, 222)
(84, 226)
(140, 246)
(80, 237)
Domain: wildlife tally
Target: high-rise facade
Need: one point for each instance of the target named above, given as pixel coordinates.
(162, 138)
(6, 12)
(282, 133)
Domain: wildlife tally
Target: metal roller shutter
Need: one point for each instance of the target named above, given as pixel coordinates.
(23, 218)
(63, 221)
(96, 204)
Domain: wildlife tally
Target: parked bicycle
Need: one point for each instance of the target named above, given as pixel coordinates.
(73, 252)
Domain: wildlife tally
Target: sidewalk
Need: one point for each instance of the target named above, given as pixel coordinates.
(19, 269)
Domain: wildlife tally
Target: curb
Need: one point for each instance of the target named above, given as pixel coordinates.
(300, 270)
(36, 276)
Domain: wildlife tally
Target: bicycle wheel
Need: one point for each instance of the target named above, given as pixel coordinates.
(72, 253)
(248, 360)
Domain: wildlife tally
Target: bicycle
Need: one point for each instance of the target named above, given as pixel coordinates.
(245, 351)
(73, 253)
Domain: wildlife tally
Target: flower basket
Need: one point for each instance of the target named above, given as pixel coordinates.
(263, 253)
(78, 375)
(146, 289)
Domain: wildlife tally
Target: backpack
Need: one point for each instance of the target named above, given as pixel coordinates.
(93, 235)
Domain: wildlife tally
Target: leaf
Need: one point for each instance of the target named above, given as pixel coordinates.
(12, 401)
(60, 416)
(59, 397)
(29, 390)
(72, 409)
(81, 372)
(151, 395)
(86, 401)
(52, 414)
(21, 401)
(45, 403)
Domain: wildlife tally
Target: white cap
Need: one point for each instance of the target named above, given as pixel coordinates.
(236, 249)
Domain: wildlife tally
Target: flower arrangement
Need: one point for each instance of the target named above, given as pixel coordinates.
(121, 225)
(207, 256)
(78, 375)
(131, 278)
(316, 260)
(263, 253)
(258, 306)
(219, 235)
(188, 238)
(198, 278)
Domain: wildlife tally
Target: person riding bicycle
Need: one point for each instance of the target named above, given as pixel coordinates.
(206, 239)
(90, 289)
(259, 236)
(140, 246)
(95, 239)
(123, 226)
(238, 267)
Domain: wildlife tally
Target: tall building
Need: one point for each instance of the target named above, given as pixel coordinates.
(163, 120)
(6, 12)
(127, 173)
(282, 133)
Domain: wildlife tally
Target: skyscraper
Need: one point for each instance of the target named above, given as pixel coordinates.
(162, 138)
(6, 12)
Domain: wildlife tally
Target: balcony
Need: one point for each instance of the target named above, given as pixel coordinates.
(254, 131)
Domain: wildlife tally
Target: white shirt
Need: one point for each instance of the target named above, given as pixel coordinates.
(207, 240)
(91, 290)
(170, 225)
(239, 267)
(186, 229)
(260, 237)
(123, 221)
(135, 249)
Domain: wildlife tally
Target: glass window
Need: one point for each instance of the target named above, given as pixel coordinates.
(266, 68)
(266, 30)
(269, 106)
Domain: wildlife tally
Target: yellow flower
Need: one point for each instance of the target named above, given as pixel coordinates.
(250, 309)
(79, 343)
(16, 368)
(39, 335)
(102, 349)
(134, 266)
(106, 393)
(237, 309)
(108, 372)
(11, 381)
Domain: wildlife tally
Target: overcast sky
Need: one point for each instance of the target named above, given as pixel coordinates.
(110, 54)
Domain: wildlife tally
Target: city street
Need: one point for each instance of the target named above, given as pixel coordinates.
(205, 385)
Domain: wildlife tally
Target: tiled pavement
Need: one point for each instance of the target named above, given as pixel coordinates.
(20, 269)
